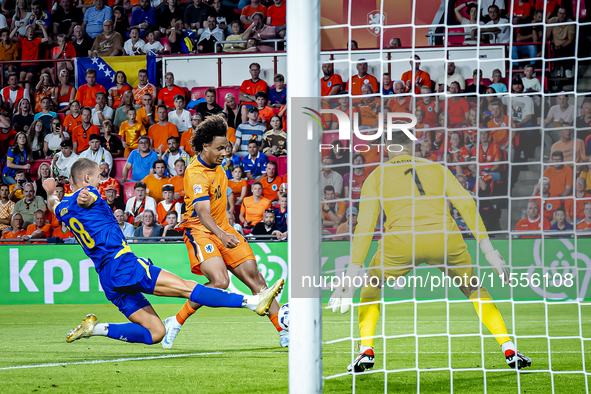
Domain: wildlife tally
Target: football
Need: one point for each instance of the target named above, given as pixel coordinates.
(283, 317)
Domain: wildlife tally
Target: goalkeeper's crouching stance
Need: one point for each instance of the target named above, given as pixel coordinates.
(430, 236)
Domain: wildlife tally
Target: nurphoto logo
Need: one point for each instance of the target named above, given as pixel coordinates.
(394, 123)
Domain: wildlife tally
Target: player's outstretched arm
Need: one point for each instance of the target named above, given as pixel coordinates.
(465, 204)
(49, 186)
(203, 211)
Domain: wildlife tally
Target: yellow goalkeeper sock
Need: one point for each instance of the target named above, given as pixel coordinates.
(368, 318)
(490, 316)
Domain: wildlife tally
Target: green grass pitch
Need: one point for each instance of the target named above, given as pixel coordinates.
(235, 351)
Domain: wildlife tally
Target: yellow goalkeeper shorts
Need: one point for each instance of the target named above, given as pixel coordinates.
(405, 250)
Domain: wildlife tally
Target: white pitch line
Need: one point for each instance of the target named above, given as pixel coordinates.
(108, 361)
(243, 352)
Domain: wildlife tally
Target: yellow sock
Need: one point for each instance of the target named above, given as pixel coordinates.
(368, 318)
(490, 316)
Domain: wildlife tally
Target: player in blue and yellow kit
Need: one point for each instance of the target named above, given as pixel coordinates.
(124, 276)
(412, 193)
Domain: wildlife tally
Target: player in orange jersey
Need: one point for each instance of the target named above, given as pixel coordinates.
(214, 246)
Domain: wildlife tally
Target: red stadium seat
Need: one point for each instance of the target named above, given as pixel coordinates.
(165, 43)
(485, 81)
(281, 165)
(128, 191)
(456, 40)
(186, 90)
(199, 92)
(117, 170)
(272, 158)
(223, 90)
(62, 117)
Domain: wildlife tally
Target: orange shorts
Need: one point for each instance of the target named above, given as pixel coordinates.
(202, 246)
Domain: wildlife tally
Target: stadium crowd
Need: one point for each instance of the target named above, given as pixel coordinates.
(486, 129)
(468, 124)
(149, 130)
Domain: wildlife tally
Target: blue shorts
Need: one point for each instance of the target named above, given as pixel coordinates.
(127, 280)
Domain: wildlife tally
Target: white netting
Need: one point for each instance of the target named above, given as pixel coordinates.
(435, 342)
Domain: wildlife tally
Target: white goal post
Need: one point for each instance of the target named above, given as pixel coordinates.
(303, 167)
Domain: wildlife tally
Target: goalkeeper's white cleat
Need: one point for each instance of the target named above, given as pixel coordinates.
(516, 359)
(84, 330)
(172, 330)
(284, 338)
(363, 361)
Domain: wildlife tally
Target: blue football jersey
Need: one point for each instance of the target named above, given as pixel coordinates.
(95, 228)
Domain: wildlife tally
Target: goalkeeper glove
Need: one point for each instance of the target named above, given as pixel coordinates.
(342, 297)
(495, 259)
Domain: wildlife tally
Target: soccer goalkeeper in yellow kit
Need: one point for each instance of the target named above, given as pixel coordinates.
(412, 193)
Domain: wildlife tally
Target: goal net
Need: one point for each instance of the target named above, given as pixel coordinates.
(500, 96)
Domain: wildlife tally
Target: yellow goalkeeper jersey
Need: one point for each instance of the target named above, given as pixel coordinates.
(413, 193)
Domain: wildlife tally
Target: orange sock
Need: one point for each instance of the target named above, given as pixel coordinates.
(273, 319)
(185, 312)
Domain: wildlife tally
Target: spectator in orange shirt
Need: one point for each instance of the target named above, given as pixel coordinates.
(106, 180)
(30, 50)
(238, 184)
(272, 182)
(17, 231)
(499, 136)
(331, 83)
(456, 153)
(251, 211)
(575, 206)
(131, 131)
(143, 87)
(456, 107)
(585, 225)
(167, 94)
(162, 131)
(348, 226)
(401, 102)
(560, 176)
(81, 134)
(147, 113)
(426, 146)
(155, 181)
(489, 152)
(62, 232)
(167, 205)
(265, 113)
(572, 150)
(86, 94)
(353, 181)
(251, 86)
(74, 118)
(333, 213)
(420, 77)
(246, 16)
(39, 229)
(357, 81)
(532, 221)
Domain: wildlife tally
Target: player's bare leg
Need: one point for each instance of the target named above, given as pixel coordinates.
(250, 275)
(216, 271)
(146, 327)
